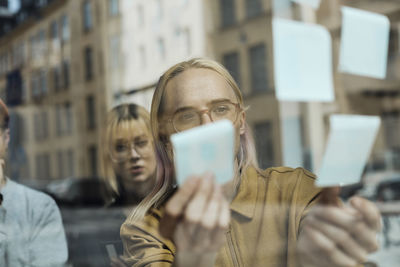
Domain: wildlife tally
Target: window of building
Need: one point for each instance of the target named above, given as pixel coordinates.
(91, 112)
(3, 63)
(87, 16)
(43, 166)
(42, 43)
(70, 163)
(59, 119)
(66, 166)
(161, 49)
(39, 83)
(41, 126)
(264, 142)
(258, 68)
(54, 30)
(66, 73)
(36, 125)
(88, 63)
(18, 54)
(68, 116)
(253, 8)
(231, 62)
(35, 87)
(92, 156)
(114, 51)
(64, 28)
(113, 7)
(43, 81)
(60, 163)
(32, 47)
(45, 124)
(56, 79)
(64, 119)
(227, 12)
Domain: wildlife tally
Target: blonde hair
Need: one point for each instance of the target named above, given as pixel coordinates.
(165, 177)
(118, 119)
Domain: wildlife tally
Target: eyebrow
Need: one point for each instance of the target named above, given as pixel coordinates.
(216, 101)
(135, 138)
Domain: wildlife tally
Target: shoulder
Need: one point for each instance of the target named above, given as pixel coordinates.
(291, 182)
(150, 221)
(37, 205)
(147, 227)
(32, 195)
(143, 242)
(289, 173)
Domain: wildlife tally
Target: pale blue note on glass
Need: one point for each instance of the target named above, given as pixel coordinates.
(208, 148)
(350, 142)
(364, 43)
(312, 3)
(303, 61)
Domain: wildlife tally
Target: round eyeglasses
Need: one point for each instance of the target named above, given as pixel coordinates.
(122, 150)
(189, 118)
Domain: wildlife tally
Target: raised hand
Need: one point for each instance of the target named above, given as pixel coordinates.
(339, 235)
(196, 218)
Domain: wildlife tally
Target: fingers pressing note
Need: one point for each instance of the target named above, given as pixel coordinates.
(175, 207)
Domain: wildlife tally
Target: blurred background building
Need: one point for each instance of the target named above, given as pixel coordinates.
(65, 63)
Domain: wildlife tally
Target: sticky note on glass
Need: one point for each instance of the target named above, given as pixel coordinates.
(312, 3)
(350, 142)
(303, 61)
(364, 43)
(208, 148)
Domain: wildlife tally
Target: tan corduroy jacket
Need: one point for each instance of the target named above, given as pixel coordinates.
(266, 217)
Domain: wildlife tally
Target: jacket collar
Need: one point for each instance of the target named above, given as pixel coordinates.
(244, 202)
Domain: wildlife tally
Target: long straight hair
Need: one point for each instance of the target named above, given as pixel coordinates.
(120, 118)
(165, 169)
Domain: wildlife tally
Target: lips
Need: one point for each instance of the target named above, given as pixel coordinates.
(136, 169)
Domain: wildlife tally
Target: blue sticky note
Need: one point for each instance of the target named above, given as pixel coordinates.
(350, 142)
(364, 43)
(208, 148)
(303, 61)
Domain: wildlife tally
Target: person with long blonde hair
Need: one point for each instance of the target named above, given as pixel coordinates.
(271, 217)
(128, 157)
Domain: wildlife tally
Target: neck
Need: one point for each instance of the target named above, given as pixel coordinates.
(135, 194)
(230, 188)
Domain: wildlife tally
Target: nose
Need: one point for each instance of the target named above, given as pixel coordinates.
(134, 154)
(205, 118)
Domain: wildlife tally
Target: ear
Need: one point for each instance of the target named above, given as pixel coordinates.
(242, 122)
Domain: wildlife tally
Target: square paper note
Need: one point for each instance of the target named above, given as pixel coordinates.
(205, 148)
(364, 44)
(349, 144)
(303, 61)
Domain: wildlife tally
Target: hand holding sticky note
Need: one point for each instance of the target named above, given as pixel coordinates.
(208, 148)
(349, 144)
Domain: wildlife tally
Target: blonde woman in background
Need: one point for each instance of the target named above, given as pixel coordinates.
(128, 156)
(128, 170)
